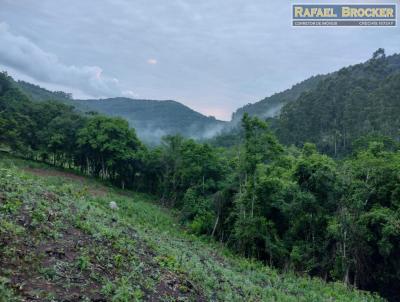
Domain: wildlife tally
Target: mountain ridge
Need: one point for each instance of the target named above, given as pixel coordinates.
(270, 106)
(152, 119)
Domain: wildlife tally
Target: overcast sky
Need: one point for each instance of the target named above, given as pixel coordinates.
(212, 55)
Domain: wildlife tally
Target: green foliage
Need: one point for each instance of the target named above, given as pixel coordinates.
(36, 93)
(294, 209)
(109, 149)
(83, 262)
(125, 292)
(6, 294)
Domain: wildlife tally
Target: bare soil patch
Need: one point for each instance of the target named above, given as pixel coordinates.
(46, 269)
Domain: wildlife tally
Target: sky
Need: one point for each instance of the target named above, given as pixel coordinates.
(211, 55)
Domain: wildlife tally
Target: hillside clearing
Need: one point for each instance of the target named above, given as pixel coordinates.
(60, 241)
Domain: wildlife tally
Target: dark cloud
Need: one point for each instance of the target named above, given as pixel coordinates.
(23, 55)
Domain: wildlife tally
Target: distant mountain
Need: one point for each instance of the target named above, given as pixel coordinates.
(331, 110)
(152, 119)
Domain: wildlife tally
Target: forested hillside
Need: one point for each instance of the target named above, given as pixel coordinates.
(271, 106)
(152, 119)
(359, 100)
(333, 111)
(155, 119)
(39, 94)
(292, 208)
(61, 241)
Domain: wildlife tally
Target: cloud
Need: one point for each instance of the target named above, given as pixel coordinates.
(130, 93)
(26, 57)
(152, 61)
(209, 53)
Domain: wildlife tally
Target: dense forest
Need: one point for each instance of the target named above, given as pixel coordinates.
(356, 101)
(276, 199)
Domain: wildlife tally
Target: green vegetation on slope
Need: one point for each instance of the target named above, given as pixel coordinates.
(37, 93)
(334, 110)
(60, 240)
(356, 101)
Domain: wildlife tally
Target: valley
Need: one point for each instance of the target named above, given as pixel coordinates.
(298, 206)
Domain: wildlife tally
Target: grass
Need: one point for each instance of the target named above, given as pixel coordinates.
(59, 239)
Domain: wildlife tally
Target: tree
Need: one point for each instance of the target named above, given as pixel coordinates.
(108, 149)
